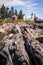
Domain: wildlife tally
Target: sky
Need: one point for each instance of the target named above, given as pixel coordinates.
(27, 6)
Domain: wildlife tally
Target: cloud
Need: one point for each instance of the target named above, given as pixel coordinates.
(29, 4)
(9, 3)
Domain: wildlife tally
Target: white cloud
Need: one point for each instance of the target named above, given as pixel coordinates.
(30, 5)
(10, 3)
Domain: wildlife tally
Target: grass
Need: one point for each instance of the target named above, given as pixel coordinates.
(29, 21)
(19, 20)
(1, 20)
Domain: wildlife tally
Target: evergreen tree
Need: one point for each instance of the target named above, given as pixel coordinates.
(7, 12)
(16, 13)
(20, 16)
(12, 11)
(3, 12)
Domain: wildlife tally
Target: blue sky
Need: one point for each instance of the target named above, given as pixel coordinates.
(27, 6)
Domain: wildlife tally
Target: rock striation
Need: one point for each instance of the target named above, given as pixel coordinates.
(21, 44)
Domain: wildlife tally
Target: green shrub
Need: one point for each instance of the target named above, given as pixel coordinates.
(1, 20)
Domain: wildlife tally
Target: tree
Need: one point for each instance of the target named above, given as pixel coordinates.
(16, 13)
(3, 12)
(20, 16)
(7, 12)
(12, 11)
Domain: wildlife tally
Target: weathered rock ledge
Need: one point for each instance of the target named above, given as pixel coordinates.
(21, 44)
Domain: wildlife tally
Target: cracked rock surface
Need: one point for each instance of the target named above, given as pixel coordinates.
(21, 44)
